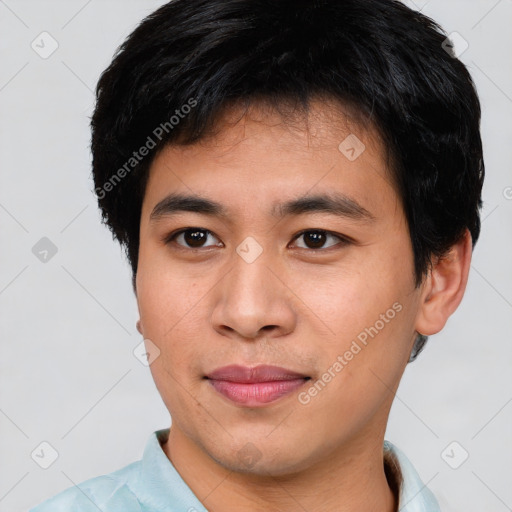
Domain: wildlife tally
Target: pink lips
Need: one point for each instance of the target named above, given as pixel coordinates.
(253, 387)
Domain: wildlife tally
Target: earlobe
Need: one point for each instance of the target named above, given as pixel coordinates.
(139, 326)
(444, 287)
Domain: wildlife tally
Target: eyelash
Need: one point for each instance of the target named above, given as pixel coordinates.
(344, 240)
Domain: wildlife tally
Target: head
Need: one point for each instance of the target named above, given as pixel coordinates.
(327, 162)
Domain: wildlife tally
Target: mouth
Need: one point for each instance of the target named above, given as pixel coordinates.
(255, 387)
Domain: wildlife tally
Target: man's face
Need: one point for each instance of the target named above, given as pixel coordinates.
(336, 304)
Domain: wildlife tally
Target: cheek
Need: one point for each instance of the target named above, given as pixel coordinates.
(370, 309)
(344, 300)
(361, 367)
(171, 315)
(167, 295)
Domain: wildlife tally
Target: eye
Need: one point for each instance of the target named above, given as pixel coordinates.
(191, 238)
(315, 239)
(196, 238)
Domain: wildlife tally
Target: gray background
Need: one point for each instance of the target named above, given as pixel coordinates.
(68, 375)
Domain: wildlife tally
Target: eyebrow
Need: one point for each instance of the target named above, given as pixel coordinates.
(333, 203)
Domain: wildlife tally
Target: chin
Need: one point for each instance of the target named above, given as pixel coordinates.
(266, 462)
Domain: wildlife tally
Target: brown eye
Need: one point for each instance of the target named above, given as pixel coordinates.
(192, 238)
(315, 239)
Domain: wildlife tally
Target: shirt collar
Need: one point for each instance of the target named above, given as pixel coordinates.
(159, 479)
(414, 496)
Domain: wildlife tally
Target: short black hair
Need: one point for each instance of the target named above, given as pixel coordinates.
(179, 70)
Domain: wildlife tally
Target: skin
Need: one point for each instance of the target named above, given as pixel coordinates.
(294, 306)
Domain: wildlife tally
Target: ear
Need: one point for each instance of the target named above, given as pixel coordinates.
(139, 327)
(444, 287)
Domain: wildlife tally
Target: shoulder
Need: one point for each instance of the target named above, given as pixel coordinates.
(108, 493)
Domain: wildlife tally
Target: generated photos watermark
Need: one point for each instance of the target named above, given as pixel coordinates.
(357, 345)
(151, 142)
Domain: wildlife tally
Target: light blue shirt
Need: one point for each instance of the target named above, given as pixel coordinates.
(153, 485)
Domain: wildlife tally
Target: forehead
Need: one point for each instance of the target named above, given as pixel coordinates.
(318, 128)
(259, 156)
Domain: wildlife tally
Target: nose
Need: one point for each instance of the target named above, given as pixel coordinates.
(252, 300)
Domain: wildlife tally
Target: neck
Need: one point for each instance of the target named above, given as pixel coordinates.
(352, 479)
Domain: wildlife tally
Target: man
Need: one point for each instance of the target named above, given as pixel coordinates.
(297, 186)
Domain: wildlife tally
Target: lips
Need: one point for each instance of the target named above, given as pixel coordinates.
(262, 373)
(255, 387)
